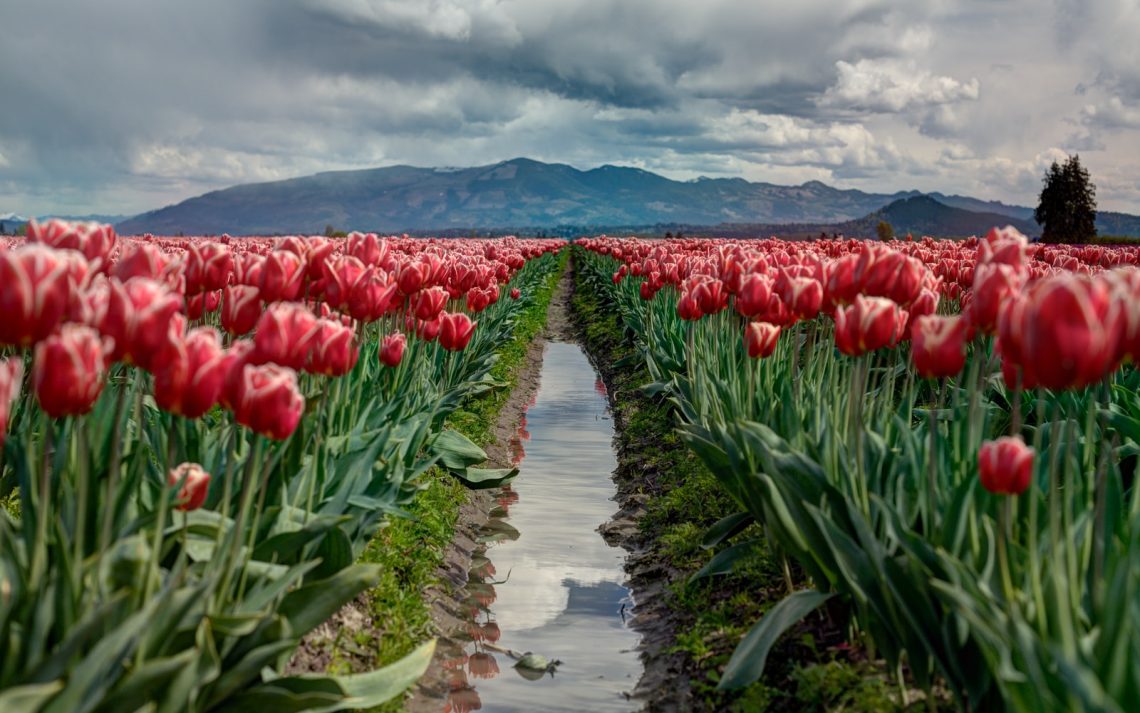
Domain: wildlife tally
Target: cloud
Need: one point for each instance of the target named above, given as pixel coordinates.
(130, 105)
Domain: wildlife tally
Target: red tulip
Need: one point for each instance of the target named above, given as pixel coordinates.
(137, 316)
(372, 296)
(427, 304)
(241, 308)
(938, 345)
(70, 370)
(1073, 330)
(334, 353)
(1005, 466)
(140, 260)
(247, 270)
(267, 400)
(208, 266)
(760, 339)
(285, 335)
(994, 283)
(282, 276)
(710, 295)
(11, 376)
(368, 249)
(412, 277)
(455, 331)
(190, 372)
(803, 296)
(94, 240)
(870, 323)
(34, 293)
(689, 308)
(203, 303)
(427, 330)
(341, 277)
(193, 483)
(392, 349)
(515, 294)
(234, 361)
(755, 292)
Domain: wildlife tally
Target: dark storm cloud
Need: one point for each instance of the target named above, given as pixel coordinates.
(125, 105)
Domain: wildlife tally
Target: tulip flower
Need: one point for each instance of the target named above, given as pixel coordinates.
(689, 308)
(11, 375)
(482, 665)
(190, 372)
(34, 293)
(994, 283)
(754, 294)
(427, 304)
(803, 296)
(1005, 466)
(282, 276)
(140, 260)
(334, 353)
(427, 330)
(938, 345)
(368, 249)
(208, 266)
(193, 483)
(870, 323)
(136, 318)
(266, 400)
(760, 339)
(515, 293)
(341, 277)
(455, 331)
(412, 277)
(70, 370)
(285, 335)
(392, 349)
(1073, 328)
(234, 361)
(241, 308)
(372, 296)
(94, 240)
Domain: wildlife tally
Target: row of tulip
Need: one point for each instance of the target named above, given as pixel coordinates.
(199, 437)
(942, 435)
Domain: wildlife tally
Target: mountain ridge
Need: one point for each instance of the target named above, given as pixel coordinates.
(525, 193)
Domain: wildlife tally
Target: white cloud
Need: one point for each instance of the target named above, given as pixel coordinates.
(888, 85)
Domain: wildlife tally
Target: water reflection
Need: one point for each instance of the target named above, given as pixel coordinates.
(545, 595)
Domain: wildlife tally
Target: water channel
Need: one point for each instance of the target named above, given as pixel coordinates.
(547, 583)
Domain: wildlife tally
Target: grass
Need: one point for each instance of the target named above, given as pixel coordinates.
(410, 550)
(811, 669)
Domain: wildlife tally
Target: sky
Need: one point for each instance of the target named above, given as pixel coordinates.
(121, 106)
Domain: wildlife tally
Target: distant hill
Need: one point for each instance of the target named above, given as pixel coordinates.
(520, 192)
(532, 196)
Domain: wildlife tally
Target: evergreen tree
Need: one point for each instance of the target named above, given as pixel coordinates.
(1067, 207)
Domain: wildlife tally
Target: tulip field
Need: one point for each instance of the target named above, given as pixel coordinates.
(200, 437)
(939, 438)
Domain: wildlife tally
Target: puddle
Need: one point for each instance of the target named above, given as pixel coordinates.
(544, 581)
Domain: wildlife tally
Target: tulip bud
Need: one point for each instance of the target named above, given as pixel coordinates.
(190, 373)
(282, 276)
(1005, 466)
(392, 349)
(760, 339)
(412, 277)
(515, 293)
(241, 308)
(208, 266)
(34, 293)
(870, 323)
(455, 331)
(69, 371)
(137, 315)
(334, 353)
(428, 303)
(11, 375)
(755, 292)
(268, 401)
(193, 483)
(285, 335)
(938, 345)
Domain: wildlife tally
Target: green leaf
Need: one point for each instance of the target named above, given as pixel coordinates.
(484, 478)
(456, 451)
(29, 698)
(726, 528)
(725, 561)
(307, 607)
(747, 662)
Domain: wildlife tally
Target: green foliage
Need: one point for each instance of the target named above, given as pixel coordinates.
(884, 231)
(1066, 209)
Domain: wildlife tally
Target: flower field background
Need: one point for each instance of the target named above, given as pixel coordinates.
(200, 437)
(940, 438)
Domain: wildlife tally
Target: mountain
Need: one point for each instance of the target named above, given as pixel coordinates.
(924, 215)
(516, 193)
(523, 194)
